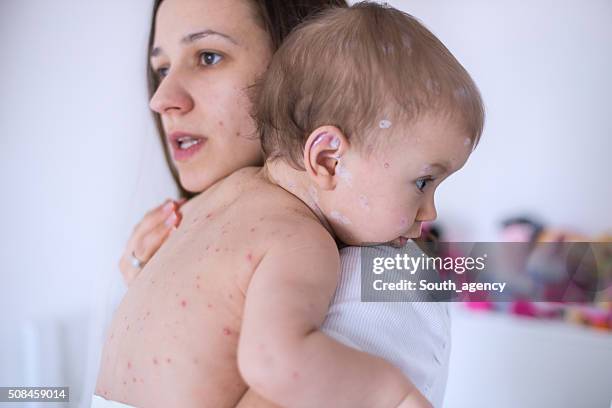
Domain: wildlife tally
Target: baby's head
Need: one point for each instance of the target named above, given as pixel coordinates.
(376, 111)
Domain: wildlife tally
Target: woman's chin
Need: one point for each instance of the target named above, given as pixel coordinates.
(195, 184)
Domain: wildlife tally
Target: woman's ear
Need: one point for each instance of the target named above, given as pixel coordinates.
(323, 148)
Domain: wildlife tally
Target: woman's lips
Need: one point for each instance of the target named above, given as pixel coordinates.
(185, 145)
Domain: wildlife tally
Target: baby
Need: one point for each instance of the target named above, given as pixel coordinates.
(362, 114)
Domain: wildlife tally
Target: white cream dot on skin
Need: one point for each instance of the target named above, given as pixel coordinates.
(384, 124)
(312, 192)
(336, 215)
(363, 201)
(460, 93)
(334, 143)
(344, 174)
(387, 49)
(467, 141)
(407, 41)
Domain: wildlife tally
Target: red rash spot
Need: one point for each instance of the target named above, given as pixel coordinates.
(183, 303)
(168, 360)
(249, 257)
(226, 331)
(209, 306)
(217, 249)
(207, 246)
(198, 286)
(133, 379)
(125, 383)
(221, 123)
(155, 361)
(253, 229)
(386, 165)
(295, 375)
(209, 215)
(129, 365)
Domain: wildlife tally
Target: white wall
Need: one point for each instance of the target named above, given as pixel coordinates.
(80, 162)
(543, 68)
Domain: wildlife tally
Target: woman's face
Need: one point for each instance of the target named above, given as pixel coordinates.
(207, 53)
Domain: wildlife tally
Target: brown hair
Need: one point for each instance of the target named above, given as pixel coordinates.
(277, 17)
(357, 68)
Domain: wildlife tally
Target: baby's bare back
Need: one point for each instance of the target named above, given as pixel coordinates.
(173, 339)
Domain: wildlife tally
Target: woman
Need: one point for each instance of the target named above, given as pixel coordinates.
(204, 56)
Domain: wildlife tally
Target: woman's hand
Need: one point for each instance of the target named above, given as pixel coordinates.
(148, 236)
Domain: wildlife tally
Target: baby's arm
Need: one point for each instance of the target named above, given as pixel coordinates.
(283, 356)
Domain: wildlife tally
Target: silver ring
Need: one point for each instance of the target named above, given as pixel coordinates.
(136, 263)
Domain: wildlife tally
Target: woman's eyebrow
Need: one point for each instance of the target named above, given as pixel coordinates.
(189, 38)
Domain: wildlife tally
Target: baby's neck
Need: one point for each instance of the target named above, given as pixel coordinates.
(297, 183)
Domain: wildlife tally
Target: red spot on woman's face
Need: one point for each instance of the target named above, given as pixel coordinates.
(155, 361)
(249, 257)
(253, 229)
(386, 165)
(209, 215)
(183, 303)
(295, 375)
(129, 365)
(210, 306)
(168, 360)
(227, 331)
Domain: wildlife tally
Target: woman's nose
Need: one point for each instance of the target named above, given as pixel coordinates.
(171, 97)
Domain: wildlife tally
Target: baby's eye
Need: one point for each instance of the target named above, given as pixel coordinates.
(422, 183)
(210, 58)
(161, 72)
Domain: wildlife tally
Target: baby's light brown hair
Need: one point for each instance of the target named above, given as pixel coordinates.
(362, 69)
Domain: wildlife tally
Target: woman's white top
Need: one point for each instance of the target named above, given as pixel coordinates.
(414, 336)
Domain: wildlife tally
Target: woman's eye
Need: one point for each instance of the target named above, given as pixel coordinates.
(422, 183)
(210, 58)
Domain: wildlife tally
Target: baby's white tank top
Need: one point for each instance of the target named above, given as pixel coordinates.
(414, 336)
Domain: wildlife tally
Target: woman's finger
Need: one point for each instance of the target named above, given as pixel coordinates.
(153, 218)
(151, 242)
(137, 247)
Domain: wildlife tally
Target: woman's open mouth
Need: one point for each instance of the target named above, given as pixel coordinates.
(185, 145)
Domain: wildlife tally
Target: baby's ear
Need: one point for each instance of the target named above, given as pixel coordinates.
(323, 148)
